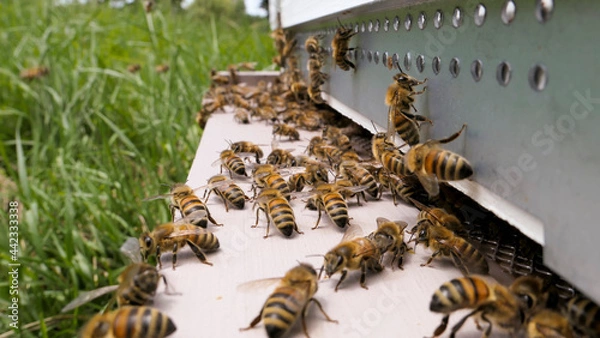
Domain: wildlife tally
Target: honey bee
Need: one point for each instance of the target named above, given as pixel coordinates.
(233, 163)
(163, 68)
(324, 152)
(312, 45)
(137, 283)
(352, 171)
(308, 121)
(229, 192)
(176, 236)
(276, 208)
(389, 156)
(337, 138)
(193, 210)
(240, 102)
(134, 68)
(217, 79)
(400, 97)
(494, 304)
(353, 253)
(247, 147)
(247, 65)
(584, 316)
(289, 301)
(286, 130)
(389, 237)
(266, 113)
(333, 203)
(407, 187)
(314, 93)
(431, 163)
(265, 178)
(281, 157)
(548, 323)
(439, 217)
(129, 322)
(241, 116)
(297, 181)
(34, 73)
(443, 241)
(340, 47)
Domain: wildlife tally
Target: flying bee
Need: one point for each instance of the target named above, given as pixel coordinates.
(548, 323)
(289, 301)
(431, 163)
(389, 237)
(129, 322)
(134, 68)
(34, 73)
(340, 47)
(233, 163)
(492, 303)
(162, 68)
(276, 208)
(229, 192)
(241, 116)
(176, 236)
(353, 253)
(247, 147)
(137, 283)
(148, 5)
(584, 316)
(286, 130)
(443, 241)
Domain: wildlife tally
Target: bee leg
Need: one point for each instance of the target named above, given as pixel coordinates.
(442, 327)
(212, 220)
(319, 218)
(268, 226)
(175, 248)
(198, 253)
(297, 230)
(462, 321)
(434, 255)
(158, 257)
(344, 273)
(453, 136)
(488, 330)
(363, 276)
(206, 197)
(256, 222)
(305, 310)
(167, 286)
(254, 321)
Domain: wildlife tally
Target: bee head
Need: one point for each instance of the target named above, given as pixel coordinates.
(333, 263)
(147, 245)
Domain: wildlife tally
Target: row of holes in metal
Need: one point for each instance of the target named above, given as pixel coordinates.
(543, 12)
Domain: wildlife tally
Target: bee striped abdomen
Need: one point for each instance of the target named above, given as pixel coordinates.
(141, 322)
(394, 163)
(447, 165)
(584, 315)
(235, 195)
(282, 215)
(336, 208)
(459, 293)
(281, 310)
(475, 261)
(207, 242)
(190, 205)
(237, 166)
(407, 129)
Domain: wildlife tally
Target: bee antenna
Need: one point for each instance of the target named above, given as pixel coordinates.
(144, 224)
(338, 20)
(314, 255)
(398, 66)
(374, 127)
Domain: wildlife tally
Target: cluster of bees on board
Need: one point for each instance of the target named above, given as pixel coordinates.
(332, 172)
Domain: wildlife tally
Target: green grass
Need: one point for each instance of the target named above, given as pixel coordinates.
(87, 143)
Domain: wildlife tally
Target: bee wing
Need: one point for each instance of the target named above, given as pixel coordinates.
(219, 184)
(157, 197)
(352, 232)
(88, 296)
(429, 182)
(258, 284)
(381, 220)
(131, 249)
(187, 232)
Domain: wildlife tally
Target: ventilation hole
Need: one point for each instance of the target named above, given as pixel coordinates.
(395, 58)
(376, 57)
(480, 14)
(370, 26)
(369, 56)
(363, 54)
(503, 73)
(377, 26)
(438, 19)
(457, 17)
(356, 27)
(455, 67)
(436, 64)
(408, 22)
(396, 23)
(407, 61)
(420, 62)
(384, 59)
(538, 77)
(477, 70)
(509, 10)
(543, 10)
(363, 27)
(422, 21)
(386, 24)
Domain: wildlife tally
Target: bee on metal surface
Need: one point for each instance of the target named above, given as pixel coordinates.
(276, 208)
(492, 303)
(400, 98)
(137, 283)
(247, 147)
(431, 163)
(192, 208)
(283, 129)
(312, 45)
(443, 241)
(241, 116)
(340, 47)
(584, 316)
(163, 68)
(34, 73)
(134, 68)
(129, 322)
(229, 192)
(353, 253)
(176, 236)
(389, 237)
(289, 301)
(232, 163)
